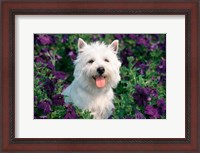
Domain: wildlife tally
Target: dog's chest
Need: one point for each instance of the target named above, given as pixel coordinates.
(96, 101)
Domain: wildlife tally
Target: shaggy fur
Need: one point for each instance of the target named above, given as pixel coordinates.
(86, 91)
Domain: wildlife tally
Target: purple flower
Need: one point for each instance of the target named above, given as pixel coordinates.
(39, 60)
(162, 79)
(119, 36)
(44, 105)
(45, 39)
(50, 65)
(49, 87)
(141, 95)
(59, 75)
(152, 112)
(58, 57)
(161, 102)
(72, 55)
(132, 36)
(139, 115)
(154, 46)
(161, 106)
(70, 112)
(142, 67)
(64, 38)
(162, 46)
(142, 40)
(161, 68)
(124, 56)
(153, 92)
(102, 35)
(44, 50)
(40, 83)
(58, 99)
(42, 58)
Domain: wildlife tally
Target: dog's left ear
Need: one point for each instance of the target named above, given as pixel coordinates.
(114, 46)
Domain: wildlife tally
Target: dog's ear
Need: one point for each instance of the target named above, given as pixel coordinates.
(81, 44)
(114, 46)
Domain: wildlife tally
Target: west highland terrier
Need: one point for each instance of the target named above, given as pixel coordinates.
(96, 74)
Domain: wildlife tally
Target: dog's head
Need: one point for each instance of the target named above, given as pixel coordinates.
(97, 64)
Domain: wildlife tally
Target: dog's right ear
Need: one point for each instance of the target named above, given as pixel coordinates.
(81, 44)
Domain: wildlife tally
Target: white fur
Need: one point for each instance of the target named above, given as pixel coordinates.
(83, 91)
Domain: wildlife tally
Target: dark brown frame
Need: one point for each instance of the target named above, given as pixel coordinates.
(189, 144)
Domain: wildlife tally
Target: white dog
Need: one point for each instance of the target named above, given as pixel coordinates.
(96, 74)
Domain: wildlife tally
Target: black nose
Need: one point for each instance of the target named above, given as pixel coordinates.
(100, 70)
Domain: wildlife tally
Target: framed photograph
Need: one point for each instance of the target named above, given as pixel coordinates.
(100, 76)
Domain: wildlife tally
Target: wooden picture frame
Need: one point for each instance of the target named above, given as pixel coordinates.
(188, 8)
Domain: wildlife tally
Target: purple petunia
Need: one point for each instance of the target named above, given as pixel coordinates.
(64, 38)
(50, 65)
(49, 87)
(42, 58)
(162, 79)
(70, 112)
(153, 92)
(132, 36)
(161, 106)
(142, 40)
(141, 95)
(162, 46)
(44, 50)
(152, 111)
(102, 35)
(142, 67)
(45, 39)
(161, 68)
(60, 75)
(38, 59)
(118, 36)
(58, 57)
(58, 99)
(72, 55)
(124, 56)
(154, 46)
(139, 115)
(45, 105)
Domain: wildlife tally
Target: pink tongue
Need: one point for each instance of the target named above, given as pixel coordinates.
(100, 82)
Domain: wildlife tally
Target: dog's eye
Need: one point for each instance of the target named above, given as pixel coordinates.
(90, 61)
(106, 60)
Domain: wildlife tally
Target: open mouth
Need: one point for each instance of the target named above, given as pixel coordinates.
(96, 77)
(100, 81)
